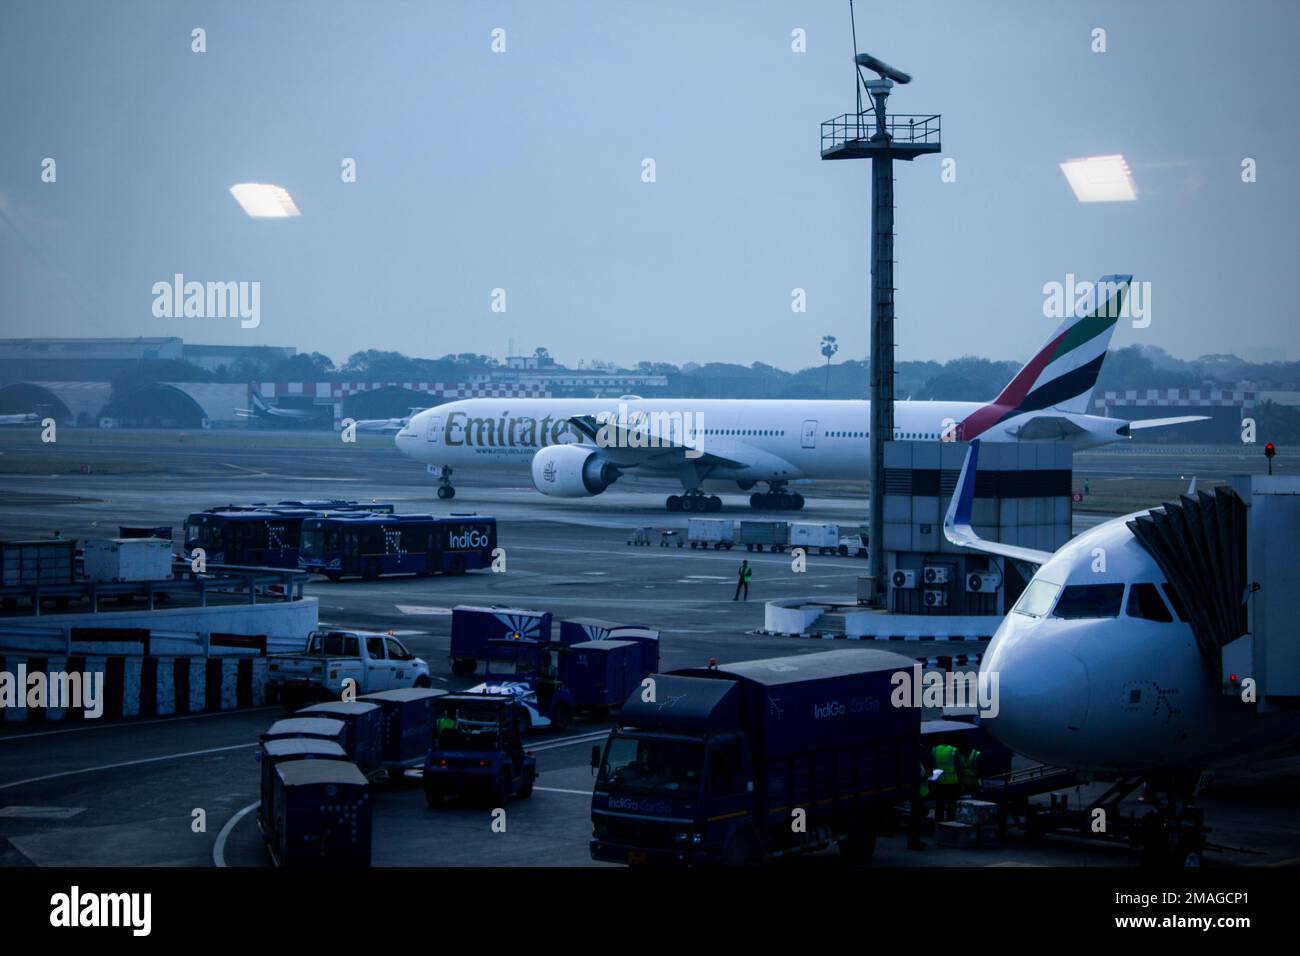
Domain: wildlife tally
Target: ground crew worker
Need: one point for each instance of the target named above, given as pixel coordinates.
(971, 772)
(447, 722)
(742, 581)
(947, 761)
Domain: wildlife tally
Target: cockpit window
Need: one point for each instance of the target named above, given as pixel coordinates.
(1144, 601)
(1089, 600)
(1174, 602)
(1037, 599)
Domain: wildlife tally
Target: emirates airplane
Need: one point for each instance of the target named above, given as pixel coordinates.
(578, 447)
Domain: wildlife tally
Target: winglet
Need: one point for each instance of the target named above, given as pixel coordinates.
(957, 522)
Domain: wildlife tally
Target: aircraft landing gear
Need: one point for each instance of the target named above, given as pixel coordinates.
(776, 499)
(694, 501)
(445, 490)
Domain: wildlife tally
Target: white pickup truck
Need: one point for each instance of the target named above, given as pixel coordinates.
(375, 661)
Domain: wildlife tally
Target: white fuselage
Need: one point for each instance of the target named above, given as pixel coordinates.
(759, 440)
(1117, 695)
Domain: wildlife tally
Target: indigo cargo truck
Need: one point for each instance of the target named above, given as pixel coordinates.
(601, 674)
(716, 768)
(322, 814)
(407, 724)
(473, 627)
(364, 737)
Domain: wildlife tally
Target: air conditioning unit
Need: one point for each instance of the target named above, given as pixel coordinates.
(936, 574)
(983, 582)
(903, 580)
(936, 598)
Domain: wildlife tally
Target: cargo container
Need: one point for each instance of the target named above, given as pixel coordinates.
(713, 768)
(322, 814)
(712, 532)
(407, 727)
(127, 559)
(314, 728)
(575, 630)
(601, 674)
(26, 563)
(473, 627)
(273, 752)
(809, 535)
(365, 729)
(757, 535)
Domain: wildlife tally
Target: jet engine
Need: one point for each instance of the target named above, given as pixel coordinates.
(572, 471)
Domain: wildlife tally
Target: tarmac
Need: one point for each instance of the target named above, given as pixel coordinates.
(179, 791)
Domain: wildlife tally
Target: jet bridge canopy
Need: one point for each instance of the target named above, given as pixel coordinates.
(1200, 544)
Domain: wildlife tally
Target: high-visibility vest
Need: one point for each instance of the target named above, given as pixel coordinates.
(749, 573)
(945, 761)
(925, 782)
(970, 772)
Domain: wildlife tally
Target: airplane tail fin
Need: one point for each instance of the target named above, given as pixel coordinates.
(1061, 375)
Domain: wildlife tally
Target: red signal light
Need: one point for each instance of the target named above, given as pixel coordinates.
(1269, 450)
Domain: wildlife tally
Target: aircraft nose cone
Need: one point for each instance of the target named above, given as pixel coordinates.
(1042, 690)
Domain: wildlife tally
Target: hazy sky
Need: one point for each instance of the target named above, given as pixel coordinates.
(522, 170)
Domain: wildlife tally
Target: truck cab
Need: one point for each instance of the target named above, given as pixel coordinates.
(375, 661)
(478, 750)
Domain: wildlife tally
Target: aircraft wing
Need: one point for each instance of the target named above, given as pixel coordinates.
(1162, 422)
(1048, 428)
(956, 523)
(629, 446)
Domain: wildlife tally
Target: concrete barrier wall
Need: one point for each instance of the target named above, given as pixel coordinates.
(144, 686)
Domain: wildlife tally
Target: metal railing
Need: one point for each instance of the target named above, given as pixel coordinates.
(903, 129)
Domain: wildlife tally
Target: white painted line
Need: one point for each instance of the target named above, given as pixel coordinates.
(128, 723)
(419, 610)
(127, 763)
(40, 813)
(219, 848)
(581, 793)
(571, 741)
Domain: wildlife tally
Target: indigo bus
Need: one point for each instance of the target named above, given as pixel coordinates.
(371, 545)
(260, 535)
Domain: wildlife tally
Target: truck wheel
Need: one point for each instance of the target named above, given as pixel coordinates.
(858, 848)
(742, 850)
(422, 681)
(371, 571)
(561, 715)
(463, 666)
(844, 551)
(526, 788)
(434, 794)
